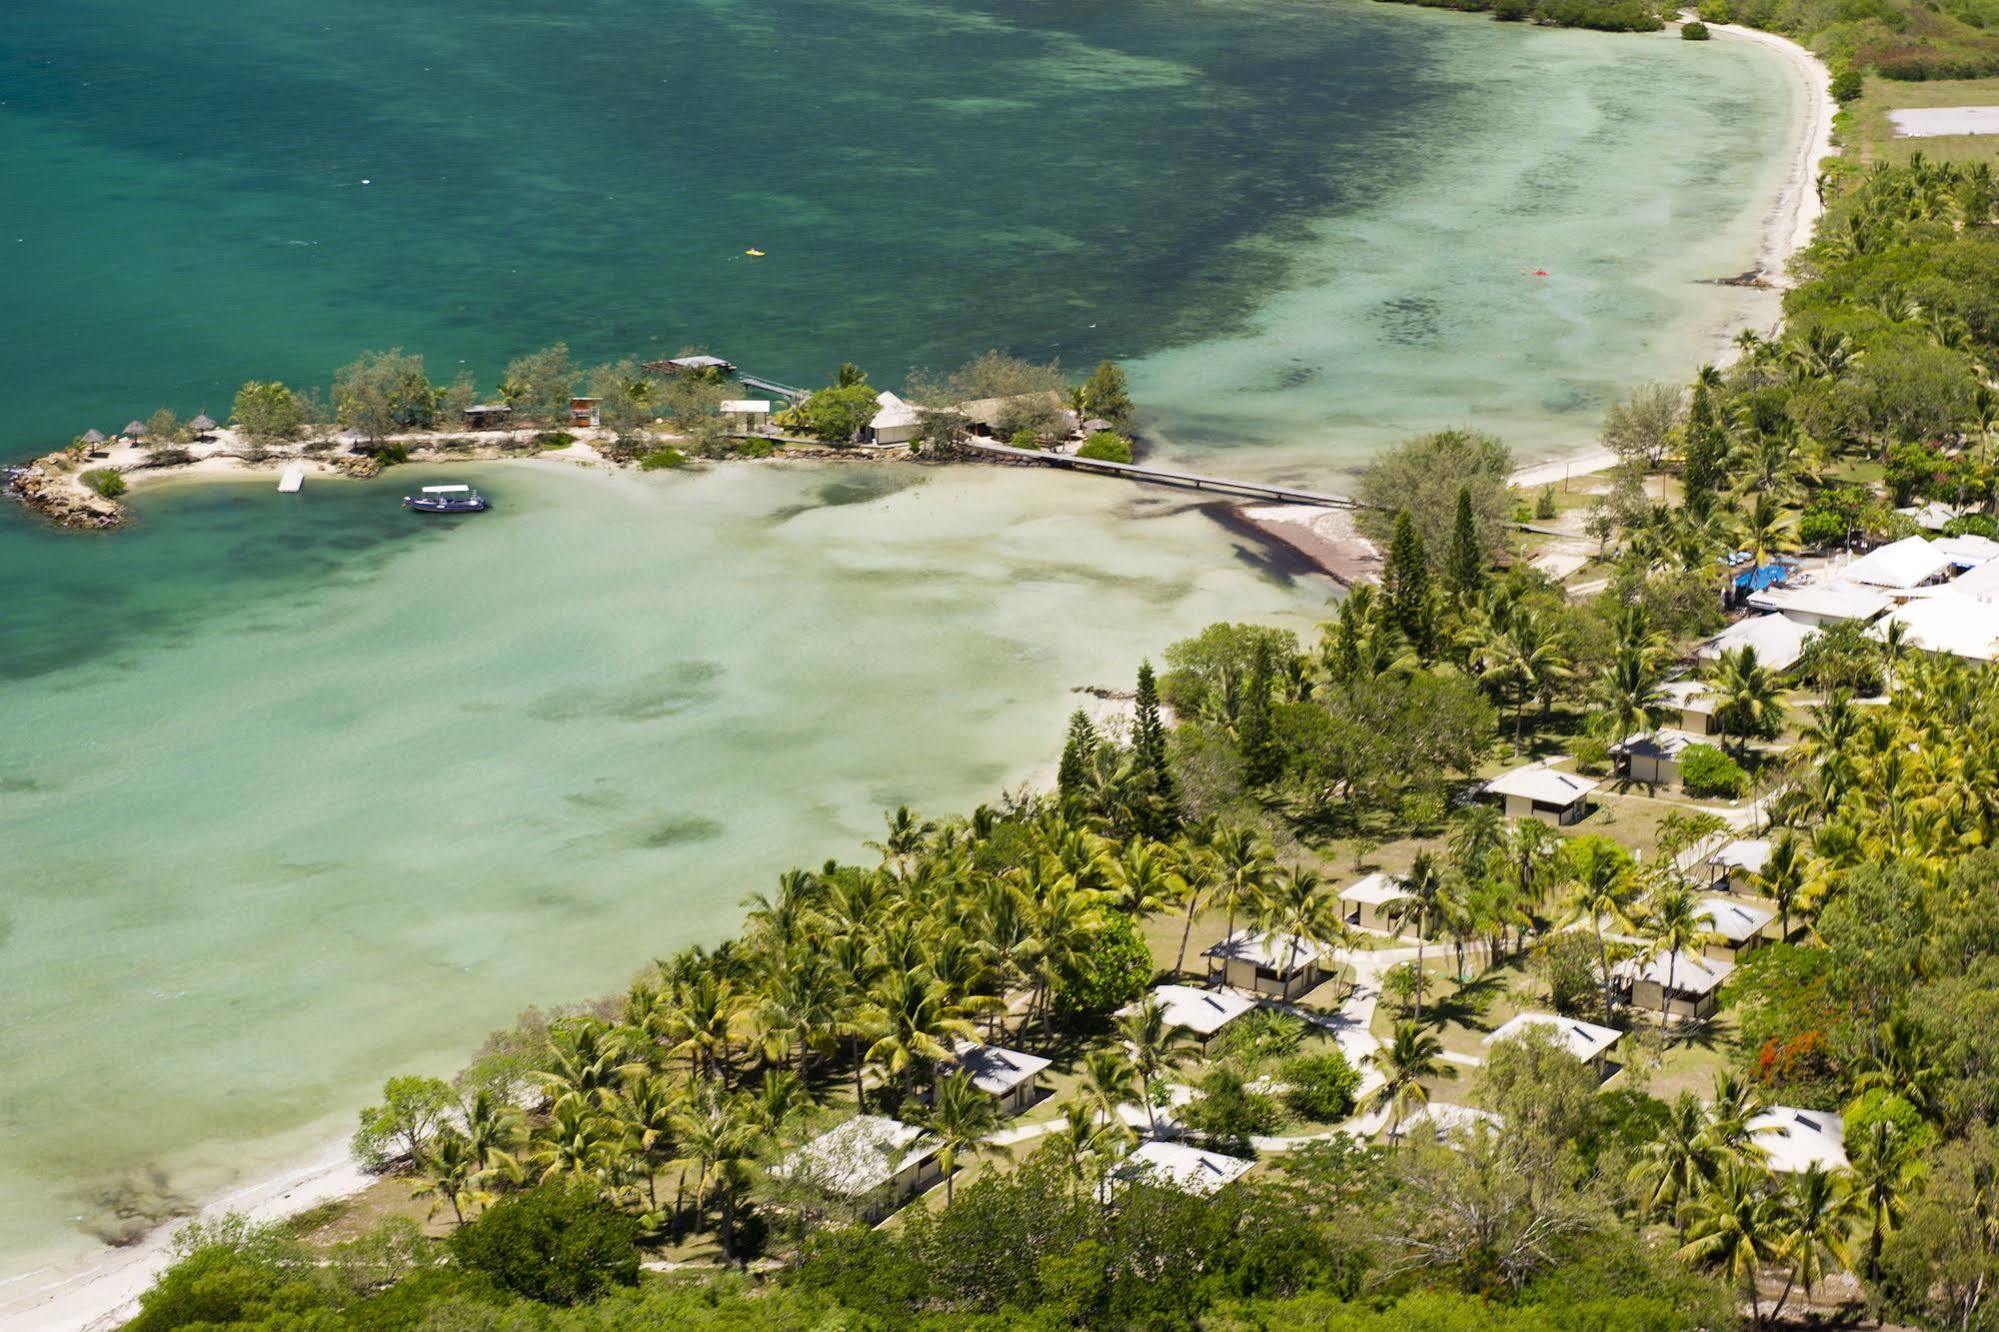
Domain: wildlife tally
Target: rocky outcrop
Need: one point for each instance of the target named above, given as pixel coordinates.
(52, 487)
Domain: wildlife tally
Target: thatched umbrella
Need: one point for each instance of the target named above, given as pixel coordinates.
(93, 437)
(201, 425)
(134, 430)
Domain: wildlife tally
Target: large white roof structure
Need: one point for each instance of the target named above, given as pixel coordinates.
(1586, 1040)
(1688, 974)
(1375, 890)
(1749, 854)
(1960, 626)
(996, 1070)
(1543, 785)
(1910, 562)
(1737, 922)
(1777, 640)
(895, 414)
(1203, 1012)
(1793, 1140)
(1278, 952)
(1188, 1169)
(858, 1156)
(1840, 599)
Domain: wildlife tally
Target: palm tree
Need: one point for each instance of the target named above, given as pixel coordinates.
(587, 1059)
(451, 1174)
(577, 1142)
(912, 1017)
(1816, 1216)
(1244, 866)
(1144, 878)
(1899, 1060)
(906, 838)
(718, 1135)
(1784, 876)
(493, 1130)
(1154, 1046)
(1733, 1105)
(1199, 878)
(1631, 692)
(1297, 904)
(645, 1111)
(1679, 1163)
(1109, 1081)
(1414, 1054)
(1603, 893)
(1673, 925)
(1747, 696)
(1420, 909)
(963, 1118)
(1884, 1169)
(1734, 1229)
(1083, 1138)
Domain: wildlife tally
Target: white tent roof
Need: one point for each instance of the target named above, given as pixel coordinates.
(1734, 921)
(894, 414)
(1203, 1012)
(1543, 785)
(1744, 853)
(744, 407)
(1188, 1169)
(995, 1070)
(1965, 627)
(1794, 1139)
(1968, 548)
(1277, 951)
(1586, 1040)
(858, 1156)
(1837, 600)
(1776, 639)
(1689, 974)
(1910, 562)
(1375, 890)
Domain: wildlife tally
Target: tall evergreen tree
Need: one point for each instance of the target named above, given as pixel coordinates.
(1467, 567)
(1706, 446)
(1148, 744)
(1407, 579)
(1256, 732)
(1077, 755)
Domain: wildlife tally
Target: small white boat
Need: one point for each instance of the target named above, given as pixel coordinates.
(292, 481)
(446, 499)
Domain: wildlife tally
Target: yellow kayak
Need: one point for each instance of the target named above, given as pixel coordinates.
(754, 254)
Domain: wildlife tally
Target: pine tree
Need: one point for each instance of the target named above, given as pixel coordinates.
(1160, 803)
(1077, 756)
(1256, 730)
(1706, 445)
(1467, 567)
(1407, 579)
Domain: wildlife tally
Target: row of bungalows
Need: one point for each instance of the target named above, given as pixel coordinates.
(1277, 966)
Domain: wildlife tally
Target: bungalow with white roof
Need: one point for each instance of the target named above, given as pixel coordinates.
(1010, 1077)
(1795, 1140)
(897, 422)
(1448, 1124)
(878, 1162)
(1931, 517)
(1175, 1165)
(1281, 965)
(1694, 984)
(1588, 1042)
(1820, 604)
(1778, 640)
(1202, 1012)
(1732, 865)
(1966, 627)
(1369, 903)
(1540, 792)
(1911, 562)
(1652, 757)
(1695, 703)
(1738, 926)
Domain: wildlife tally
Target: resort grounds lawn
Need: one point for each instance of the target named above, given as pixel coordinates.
(1872, 137)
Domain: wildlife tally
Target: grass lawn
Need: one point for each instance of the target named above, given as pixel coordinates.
(1694, 1055)
(1872, 138)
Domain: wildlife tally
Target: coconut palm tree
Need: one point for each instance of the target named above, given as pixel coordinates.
(1602, 893)
(1244, 867)
(1630, 692)
(1199, 877)
(1747, 696)
(587, 1059)
(1734, 1229)
(449, 1171)
(1084, 1139)
(1672, 925)
(963, 1118)
(719, 1136)
(1298, 904)
(1679, 1163)
(1900, 1060)
(1816, 1217)
(1145, 878)
(1421, 909)
(1885, 1169)
(645, 1110)
(1414, 1054)
(913, 1020)
(1785, 876)
(1154, 1045)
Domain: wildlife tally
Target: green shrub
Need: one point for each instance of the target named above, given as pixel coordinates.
(1106, 446)
(1715, 11)
(1568, 964)
(1706, 771)
(1266, 1033)
(1847, 85)
(661, 458)
(1592, 754)
(169, 457)
(1229, 1113)
(554, 439)
(558, 1243)
(1025, 439)
(1879, 1103)
(1973, 524)
(755, 448)
(1544, 504)
(105, 482)
(1114, 971)
(392, 453)
(1320, 1086)
(1693, 30)
(1819, 528)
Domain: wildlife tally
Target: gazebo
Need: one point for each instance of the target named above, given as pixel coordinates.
(92, 437)
(134, 430)
(202, 426)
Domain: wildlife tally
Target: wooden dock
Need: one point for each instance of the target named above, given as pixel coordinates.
(772, 387)
(1162, 476)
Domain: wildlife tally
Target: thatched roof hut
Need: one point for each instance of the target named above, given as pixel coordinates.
(93, 436)
(134, 430)
(202, 425)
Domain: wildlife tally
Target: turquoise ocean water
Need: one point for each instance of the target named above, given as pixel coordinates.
(295, 793)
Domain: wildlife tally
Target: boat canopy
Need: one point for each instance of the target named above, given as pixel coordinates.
(446, 490)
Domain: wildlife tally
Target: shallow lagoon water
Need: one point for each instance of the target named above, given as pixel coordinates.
(299, 792)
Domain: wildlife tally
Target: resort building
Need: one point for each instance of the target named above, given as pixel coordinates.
(691, 364)
(897, 422)
(1541, 792)
(1010, 1077)
(1737, 926)
(1955, 626)
(1817, 605)
(1695, 704)
(1795, 1140)
(1731, 867)
(1911, 562)
(1282, 966)
(587, 412)
(488, 416)
(1202, 1012)
(876, 1161)
(1450, 1125)
(1175, 1165)
(1931, 517)
(1652, 757)
(991, 416)
(746, 413)
(1589, 1043)
(1777, 640)
(1693, 983)
(1369, 904)
(202, 426)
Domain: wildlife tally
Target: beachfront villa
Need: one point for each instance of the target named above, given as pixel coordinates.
(1540, 792)
(1175, 1165)
(1281, 966)
(1369, 903)
(897, 422)
(1590, 1043)
(1683, 987)
(1010, 1077)
(869, 1159)
(1737, 927)
(1202, 1012)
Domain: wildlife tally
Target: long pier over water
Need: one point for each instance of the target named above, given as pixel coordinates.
(1168, 477)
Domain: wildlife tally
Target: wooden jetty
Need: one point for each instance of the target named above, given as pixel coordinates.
(1166, 477)
(772, 387)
